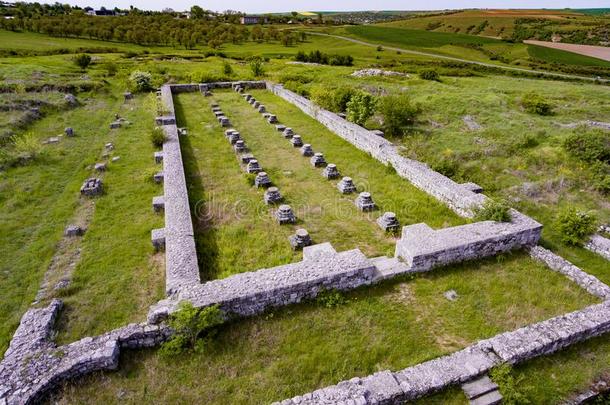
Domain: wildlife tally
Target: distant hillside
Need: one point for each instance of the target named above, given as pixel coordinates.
(572, 26)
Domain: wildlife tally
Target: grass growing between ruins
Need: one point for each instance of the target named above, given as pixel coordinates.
(236, 231)
(296, 349)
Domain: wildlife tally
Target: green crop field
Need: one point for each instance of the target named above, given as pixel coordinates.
(115, 275)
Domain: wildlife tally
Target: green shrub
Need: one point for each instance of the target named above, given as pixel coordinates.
(574, 226)
(398, 113)
(332, 99)
(82, 61)
(140, 81)
(331, 298)
(601, 177)
(534, 103)
(493, 210)
(227, 69)
(509, 385)
(429, 74)
(447, 166)
(589, 146)
(157, 137)
(25, 149)
(189, 324)
(360, 107)
(111, 68)
(256, 66)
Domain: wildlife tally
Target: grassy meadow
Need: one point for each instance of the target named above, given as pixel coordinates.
(116, 275)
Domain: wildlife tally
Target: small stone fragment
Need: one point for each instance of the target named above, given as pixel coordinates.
(317, 160)
(296, 141)
(331, 172)
(127, 95)
(253, 166)
(300, 239)
(92, 187)
(365, 201)
(158, 177)
(158, 157)
(157, 237)
(158, 203)
(284, 215)
(240, 146)
(388, 222)
(272, 195)
(109, 146)
(451, 295)
(69, 131)
(262, 109)
(346, 186)
(272, 119)
(116, 158)
(288, 133)
(100, 167)
(74, 230)
(262, 180)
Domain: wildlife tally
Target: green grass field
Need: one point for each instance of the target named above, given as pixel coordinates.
(557, 56)
(292, 350)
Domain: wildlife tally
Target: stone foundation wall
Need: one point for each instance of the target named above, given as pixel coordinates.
(181, 265)
(600, 245)
(192, 87)
(542, 338)
(590, 283)
(424, 248)
(251, 293)
(34, 365)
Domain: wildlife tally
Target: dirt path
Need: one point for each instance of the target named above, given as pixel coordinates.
(599, 52)
(433, 55)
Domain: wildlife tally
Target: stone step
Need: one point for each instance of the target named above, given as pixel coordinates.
(491, 398)
(388, 267)
(481, 386)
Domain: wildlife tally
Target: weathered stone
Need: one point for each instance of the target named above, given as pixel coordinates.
(475, 188)
(262, 109)
(284, 215)
(116, 159)
(256, 104)
(100, 167)
(262, 180)
(600, 245)
(165, 120)
(378, 132)
(296, 141)
(253, 166)
(69, 131)
(246, 157)
(233, 137)
(158, 203)
(70, 99)
(280, 128)
(158, 157)
(307, 150)
(272, 196)
(247, 96)
(182, 131)
(157, 237)
(346, 186)
(224, 121)
(115, 124)
(388, 222)
(331, 172)
(109, 146)
(74, 230)
(53, 139)
(317, 160)
(300, 239)
(92, 187)
(203, 88)
(451, 295)
(288, 133)
(272, 119)
(218, 113)
(127, 95)
(478, 387)
(365, 201)
(240, 146)
(158, 177)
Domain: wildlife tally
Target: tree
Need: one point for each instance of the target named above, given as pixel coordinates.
(360, 107)
(398, 113)
(197, 12)
(256, 65)
(82, 61)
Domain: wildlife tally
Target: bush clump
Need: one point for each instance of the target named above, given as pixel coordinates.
(332, 99)
(589, 146)
(82, 61)
(430, 74)
(398, 112)
(256, 66)
(324, 59)
(360, 107)
(140, 81)
(574, 226)
(157, 137)
(509, 385)
(331, 298)
(189, 325)
(534, 103)
(493, 210)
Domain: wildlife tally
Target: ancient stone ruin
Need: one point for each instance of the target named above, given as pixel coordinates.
(331, 172)
(272, 195)
(365, 202)
(300, 239)
(346, 186)
(284, 215)
(92, 187)
(388, 222)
